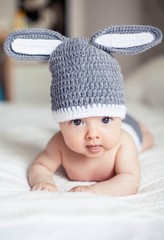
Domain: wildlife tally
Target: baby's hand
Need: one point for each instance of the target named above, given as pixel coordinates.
(89, 189)
(45, 187)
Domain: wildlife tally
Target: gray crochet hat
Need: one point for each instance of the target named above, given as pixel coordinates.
(86, 78)
(86, 82)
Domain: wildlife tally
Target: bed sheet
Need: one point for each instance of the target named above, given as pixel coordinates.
(24, 132)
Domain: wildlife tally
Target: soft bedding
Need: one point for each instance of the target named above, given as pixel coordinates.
(24, 131)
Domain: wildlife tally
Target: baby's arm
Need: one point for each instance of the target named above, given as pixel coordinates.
(127, 170)
(41, 171)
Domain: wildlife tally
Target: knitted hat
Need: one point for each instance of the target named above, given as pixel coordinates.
(86, 82)
(86, 78)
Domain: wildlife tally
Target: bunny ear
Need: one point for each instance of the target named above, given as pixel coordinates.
(129, 39)
(32, 44)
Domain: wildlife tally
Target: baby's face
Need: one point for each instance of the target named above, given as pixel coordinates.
(91, 136)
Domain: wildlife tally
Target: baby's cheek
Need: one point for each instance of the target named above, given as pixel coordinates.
(72, 143)
(111, 141)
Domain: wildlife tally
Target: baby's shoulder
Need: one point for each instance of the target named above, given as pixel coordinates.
(126, 138)
(55, 144)
(56, 139)
(127, 149)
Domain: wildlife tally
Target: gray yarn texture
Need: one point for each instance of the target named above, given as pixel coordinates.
(83, 75)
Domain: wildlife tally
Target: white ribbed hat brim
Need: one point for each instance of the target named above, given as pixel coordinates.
(95, 110)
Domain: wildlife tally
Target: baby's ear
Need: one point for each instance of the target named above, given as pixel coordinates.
(129, 39)
(32, 44)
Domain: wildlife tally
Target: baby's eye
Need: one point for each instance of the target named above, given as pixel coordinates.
(106, 120)
(77, 122)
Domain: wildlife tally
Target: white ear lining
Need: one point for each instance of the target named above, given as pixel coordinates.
(125, 40)
(35, 46)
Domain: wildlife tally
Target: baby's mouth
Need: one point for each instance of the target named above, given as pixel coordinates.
(94, 148)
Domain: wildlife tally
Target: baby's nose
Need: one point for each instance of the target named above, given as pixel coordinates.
(92, 133)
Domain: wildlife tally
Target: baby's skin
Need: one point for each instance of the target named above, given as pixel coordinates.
(90, 149)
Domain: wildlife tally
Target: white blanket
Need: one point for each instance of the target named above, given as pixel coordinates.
(24, 132)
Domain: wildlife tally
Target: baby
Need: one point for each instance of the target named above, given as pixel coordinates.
(97, 140)
(92, 149)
